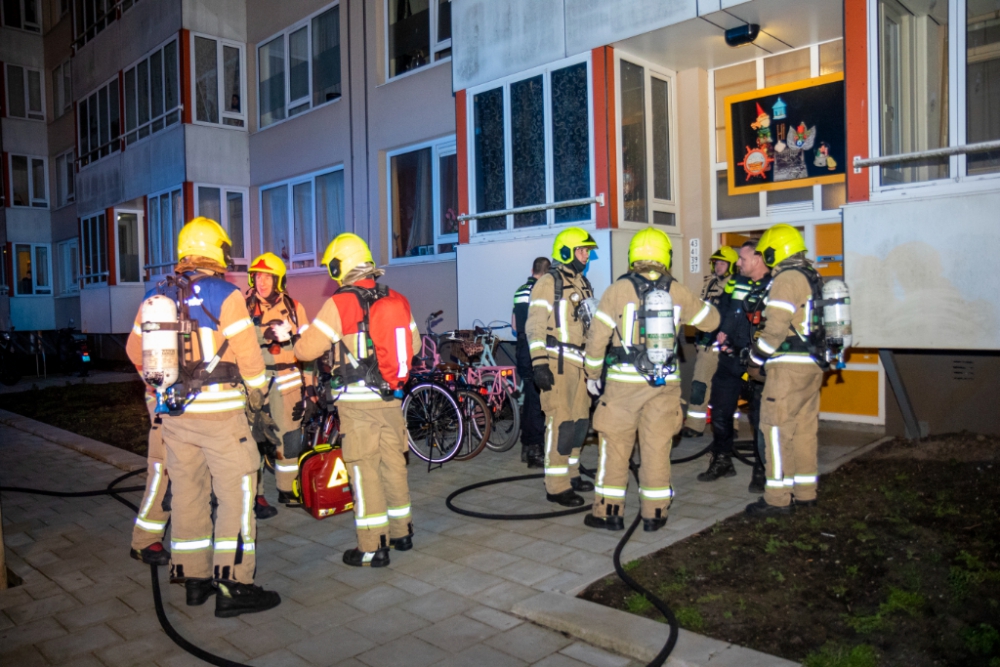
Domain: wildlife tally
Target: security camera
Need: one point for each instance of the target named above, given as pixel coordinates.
(743, 35)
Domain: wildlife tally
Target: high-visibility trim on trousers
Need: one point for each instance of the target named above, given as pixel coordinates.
(191, 545)
(372, 521)
(283, 465)
(152, 493)
(656, 494)
(398, 512)
(151, 526)
(610, 491)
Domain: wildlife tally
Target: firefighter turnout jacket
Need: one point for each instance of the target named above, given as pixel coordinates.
(555, 331)
(279, 356)
(784, 338)
(713, 290)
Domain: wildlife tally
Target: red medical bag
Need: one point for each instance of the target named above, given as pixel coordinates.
(323, 485)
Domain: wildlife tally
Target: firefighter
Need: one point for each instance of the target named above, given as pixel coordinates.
(373, 337)
(740, 310)
(532, 417)
(279, 321)
(633, 332)
(789, 414)
(151, 521)
(707, 348)
(208, 442)
(556, 330)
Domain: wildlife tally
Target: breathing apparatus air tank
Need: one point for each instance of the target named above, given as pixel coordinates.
(659, 315)
(837, 320)
(160, 366)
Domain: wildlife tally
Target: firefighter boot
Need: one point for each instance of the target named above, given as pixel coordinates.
(762, 509)
(198, 591)
(262, 510)
(568, 498)
(580, 484)
(235, 598)
(688, 432)
(288, 499)
(721, 466)
(535, 456)
(757, 479)
(404, 543)
(154, 554)
(357, 558)
(610, 522)
(654, 524)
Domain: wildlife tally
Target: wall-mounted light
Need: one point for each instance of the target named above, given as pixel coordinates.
(743, 35)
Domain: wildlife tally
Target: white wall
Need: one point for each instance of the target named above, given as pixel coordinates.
(110, 309)
(32, 313)
(921, 274)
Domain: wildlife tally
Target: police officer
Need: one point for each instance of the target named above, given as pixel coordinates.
(279, 320)
(532, 417)
(789, 414)
(208, 442)
(373, 338)
(740, 308)
(707, 348)
(641, 397)
(556, 331)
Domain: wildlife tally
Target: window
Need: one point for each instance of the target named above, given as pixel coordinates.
(4, 262)
(413, 28)
(152, 93)
(68, 253)
(93, 16)
(982, 83)
(226, 206)
(165, 212)
(32, 271)
(218, 81)
(27, 176)
(423, 200)
(299, 218)
(94, 237)
(24, 93)
(99, 123)
(300, 69)
(65, 181)
(22, 14)
(129, 245)
(524, 157)
(62, 89)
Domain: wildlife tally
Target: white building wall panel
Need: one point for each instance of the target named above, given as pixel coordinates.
(918, 272)
(153, 165)
(25, 137)
(222, 18)
(18, 47)
(28, 225)
(593, 23)
(216, 155)
(32, 313)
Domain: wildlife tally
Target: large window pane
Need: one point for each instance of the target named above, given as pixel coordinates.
(153, 225)
(130, 101)
(731, 207)
(206, 79)
(274, 220)
(234, 211)
(659, 92)
(16, 107)
(913, 64)
(527, 120)
(102, 111)
(982, 83)
(329, 207)
(35, 110)
(114, 114)
(412, 204)
(210, 204)
(272, 81)
(491, 180)
(19, 177)
(94, 120)
(171, 87)
(12, 13)
(143, 91)
(177, 211)
(448, 173)
(128, 247)
(326, 56)
(167, 233)
(831, 57)
(444, 20)
(633, 142)
(303, 211)
(409, 35)
(730, 81)
(38, 196)
(156, 79)
(25, 279)
(67, 86)
(231, 84)
(42, 285)
(70, 178)
(571, 141)
(787, 67)
(298, 69)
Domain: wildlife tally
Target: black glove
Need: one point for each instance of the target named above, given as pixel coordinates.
(262, 424)
(543, 377)
(304, 411)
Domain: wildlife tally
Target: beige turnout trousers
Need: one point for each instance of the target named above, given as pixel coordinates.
(286, 469)
(624, 411)
(151, 522)
(789, 420)
(705, 364)
(567, 418)
(206, 454)
(374, 442)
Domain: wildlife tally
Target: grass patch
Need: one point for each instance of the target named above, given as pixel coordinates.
(833, 655)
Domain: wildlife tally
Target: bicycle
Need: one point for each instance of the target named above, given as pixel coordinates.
(500, 383)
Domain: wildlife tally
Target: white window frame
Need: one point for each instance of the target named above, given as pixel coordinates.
(170, 117)
(308, 99)
(65, 175)
(155, 270)
(67, 251)
(90, 240)
(26, 27)
(62, 99)
(653, 204)
(33, 200)
(505, 83)
(34, 272)
(958, 180)
(141, 231)
(226, 222)
(220, 69)
(440, 148)
(435, 47)
(115, 144)
(29, 112)
(290, 212)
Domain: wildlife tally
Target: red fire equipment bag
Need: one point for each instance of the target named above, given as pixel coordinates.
(323, 485)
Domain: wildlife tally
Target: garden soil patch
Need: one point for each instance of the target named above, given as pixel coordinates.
(113, 413)
(898, 565)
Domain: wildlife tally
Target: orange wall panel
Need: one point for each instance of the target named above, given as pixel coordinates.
(853, 393)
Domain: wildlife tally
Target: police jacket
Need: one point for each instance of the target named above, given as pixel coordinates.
(279, 357)
(616, 324)
(739, 306)
(784, 338)
(393, 332)
(220, 322)
(553, 327)
(522, 297)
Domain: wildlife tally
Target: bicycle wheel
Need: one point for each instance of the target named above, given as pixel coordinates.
(433, 422)
(506, 417)
(478, 424)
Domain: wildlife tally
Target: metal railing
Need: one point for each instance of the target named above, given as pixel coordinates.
(861, 163)
(599, 199)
